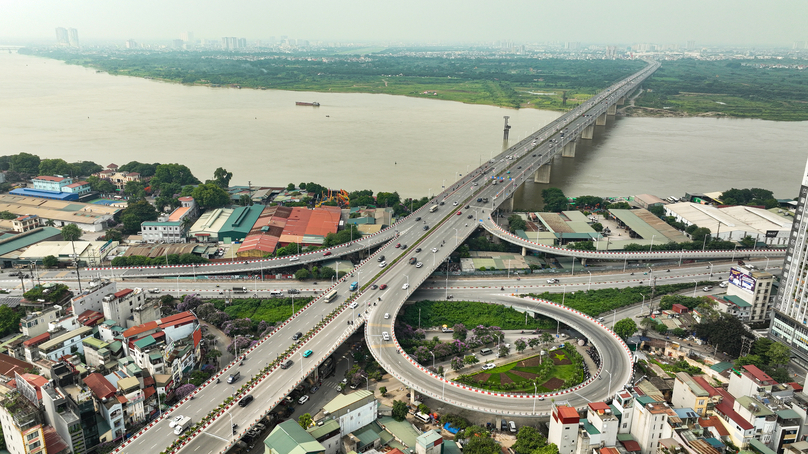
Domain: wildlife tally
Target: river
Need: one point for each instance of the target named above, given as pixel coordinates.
(367, 141)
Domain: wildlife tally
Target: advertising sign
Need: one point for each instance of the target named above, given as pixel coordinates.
(741, 279)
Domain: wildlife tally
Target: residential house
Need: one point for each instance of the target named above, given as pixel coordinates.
(563, 428)
(688, 393)
(289, 438)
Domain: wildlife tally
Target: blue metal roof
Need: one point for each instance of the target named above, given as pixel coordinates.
(30, 192)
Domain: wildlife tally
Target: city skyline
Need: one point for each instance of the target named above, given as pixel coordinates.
(716, 23)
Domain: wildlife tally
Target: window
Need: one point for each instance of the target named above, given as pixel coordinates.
(31, 436)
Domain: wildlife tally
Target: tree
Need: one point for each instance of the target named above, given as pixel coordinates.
(305, 420)
(100, 185)
(211, 195)
(625, 328)
(24, 163)
(423, 409)
(113, 235)
(222, 177)
(9, 320)
(546, 338)
(533, 342)
(515, 222)
(661, 328)
(554, 200)
(399, 408)
(725, 332)
(459, 331)
(747, 242)
(136, 190)
(302, 274)
(50, 261)
(657, 210)
(457, 363)
(144, 169)
(172, 173)
(481, 445)
(290, 187)
(699, 234)
(470, 360)
(213, 354)
(136, 212)
(778, 354)
(504, 350)
(71, 232)
(598, 227)
(528, 440)
(520, 345)
(245, 200)
(382, 390)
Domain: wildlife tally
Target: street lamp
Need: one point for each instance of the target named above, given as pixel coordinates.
(711, 268)
(457, 235)
(614, 318)
(695, 287)
(589, 287)
(433, 359)
(610, 379)
(535, 396)
(652, 243)
(643, 302)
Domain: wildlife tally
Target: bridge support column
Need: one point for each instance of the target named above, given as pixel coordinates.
(621, 101)
(588, 132)
(542, 174)
(583, 262)
(524, 252)
(601, 120)
(611, 110)
(569, 149)
(510, 203)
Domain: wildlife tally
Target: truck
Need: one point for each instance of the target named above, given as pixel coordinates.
(239, 289)
(182, 424)
(354, 286)
(433, 209)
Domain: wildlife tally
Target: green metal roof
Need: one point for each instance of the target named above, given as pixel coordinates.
(625, 437)
(450, 447)
(145, 342)
(289, 438)
(737, 300)
(239, 223)
(367, 435)
(758, 446)
(327, 427)
(787, 414)
(155, 355)
(721, 367)
(402, 430)
(115, 347)
(645, 400)
(26, 239)
(93, 342)
(592, 430)
(616, 411)
(428, 438)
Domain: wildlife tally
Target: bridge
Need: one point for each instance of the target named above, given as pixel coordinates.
(430, 231)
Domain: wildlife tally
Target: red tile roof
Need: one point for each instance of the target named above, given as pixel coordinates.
(99, 385)
(135, 330)
(34, 341)
(123, 293)
(148, 392)
(9, 365)
(598, 406)
(714, 421)
(609, 451)
(630, 445)
(703, 383)
(725, 408)
(795, 386)
(759, 375)
(53, 441)
(177, 319)
(78, 184)
(49, 178)
(112, 166)
(186, 199)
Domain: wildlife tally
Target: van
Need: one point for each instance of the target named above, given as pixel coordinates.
(486, 351)
(422, 417)
(512, 427)
(233, 377)
(385, 336)
(245, 401)
(287, 364)
(276, 293)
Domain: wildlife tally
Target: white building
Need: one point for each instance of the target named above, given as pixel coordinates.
(754, 287)
(650, 423)
(129, 307)
(92, 296)
(353, 411)
(68, 343)
(751, 382)
(563, 429)
(734, 223)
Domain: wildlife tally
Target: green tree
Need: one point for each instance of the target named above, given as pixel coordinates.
(747, 242)
(302, 274)
(399, 412)
(515, 222)
(245, 200)
(135, 190)
(625, 328)
(657, 210)
(71, 232)
(213, 354)
(598, 227)
(546, 338)
(136, 212)
(50, 261)
(222, 177)
(504, 350)
(661, 328)
(699, 234)
(382, 390)
(9, 320)
(482, 445)
(305, 420)
(554, 200)
(778, 354)
(7, 215)
(55, 167)
(24, 163)
(211, 195)
(528, 440)
(290, 187)
(100, 185)
(145, 170)
(725, 332)
(172, 173)
(520, 345)
(470, 360)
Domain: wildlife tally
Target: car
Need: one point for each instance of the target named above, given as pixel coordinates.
(307, 353)
(519, 167)
(534, 155)
(385, 335)
(344, 381)
(441, 204)
(353, 305)
(403, 246)
(354, 385)
(459, 213)
(302, 400)
(245, 401)
(293, 291)
(374, 287)
(175, 420)
(454, 203)
(418, 218)
(294, 259)
(314, 389)
(708, 288)
(426, 227)
(479, 199)
(471, 216)
(326, 253)
(417, 249)
(419, 265)
(412, 260)
(467, 206)
(383, 286)
(552, 281)
(386, 315)
(297, 336)
(405, 286)
(382, 265)
(380, 259)
(398, 245)
(488, 366)
(434, 249)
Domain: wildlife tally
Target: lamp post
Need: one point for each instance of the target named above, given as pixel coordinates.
(564, 295)
(433, 359)
(695, 287)
(535, 396)
(643, 302)
(711, 268)
(447, 278)
(610, 379)
(457, 235)
(652, 243)
(766, 267)
(367, 384)
(589, 286)
(614, 318)
(178, 286)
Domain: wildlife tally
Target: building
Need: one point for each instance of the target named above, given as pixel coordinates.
(13, 245)
(109, 406)
(289, 438)
(734, 306)
(563, 428)
(353, 411)
(754, 287)
(734, 223)
(172, 228)
(61, 36)
(91, 298)
(129, 307)
(688, 393)
(279, 226)
(64, 344)
(55, 187)
(430, 442)
(118, 178)
(51, 183)
(71, 411)
(22, 422)
(750, 382)
(168, 346)
(36, 323)
(599, 429)
(651, 423)
(87, 252)
(647, 201)
(73, 37)
(88, 217)
(25, 223)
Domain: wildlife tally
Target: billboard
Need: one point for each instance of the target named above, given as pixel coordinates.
(741, 279)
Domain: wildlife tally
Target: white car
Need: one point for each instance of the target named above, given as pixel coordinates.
(552, 281)
(382, 265)
(175, 420)
(454, 203)
(488, 366)
(303, 400)
(434, 249)
(419, 264)
(294, 259)
(386, 315)
(353, 305)
(405, 286)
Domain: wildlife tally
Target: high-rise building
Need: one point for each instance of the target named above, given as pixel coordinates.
(61, 36)
(131, 44)
(229, 42)
(73, 37)
(187, 37)
(790, 318)
(691, 44)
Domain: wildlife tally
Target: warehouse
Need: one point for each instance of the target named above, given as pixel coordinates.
(735, 222)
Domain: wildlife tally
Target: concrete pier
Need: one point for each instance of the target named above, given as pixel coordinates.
(611, 110)
(588, 132)
(601, 120)
(569, 149)
(542, 174)
(621, 101)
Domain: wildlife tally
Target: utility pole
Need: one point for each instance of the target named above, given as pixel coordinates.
(507, 129)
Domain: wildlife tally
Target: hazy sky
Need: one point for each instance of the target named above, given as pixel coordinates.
(742, 22)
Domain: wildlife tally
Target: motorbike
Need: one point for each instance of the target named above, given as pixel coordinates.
(242, 363)
(502, 289)
(668, 271)
(632, 274)
(218, 381)
(192, 397)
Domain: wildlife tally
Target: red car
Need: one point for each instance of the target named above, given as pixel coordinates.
(383, 286)
(459, 213)
(398, 244)
(326, 253)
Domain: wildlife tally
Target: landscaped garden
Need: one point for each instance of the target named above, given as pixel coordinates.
(558, 369)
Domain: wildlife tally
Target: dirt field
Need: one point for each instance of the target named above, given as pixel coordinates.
(553, 383)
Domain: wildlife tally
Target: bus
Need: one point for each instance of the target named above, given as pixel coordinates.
(433, 209)
(354, 286)
(330, 296)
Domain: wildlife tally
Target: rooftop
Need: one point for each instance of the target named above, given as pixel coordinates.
(349, 401)
(289, 438)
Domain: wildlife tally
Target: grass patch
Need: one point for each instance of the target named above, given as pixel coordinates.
(272, 311)
(516, 378)
(471, 314)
